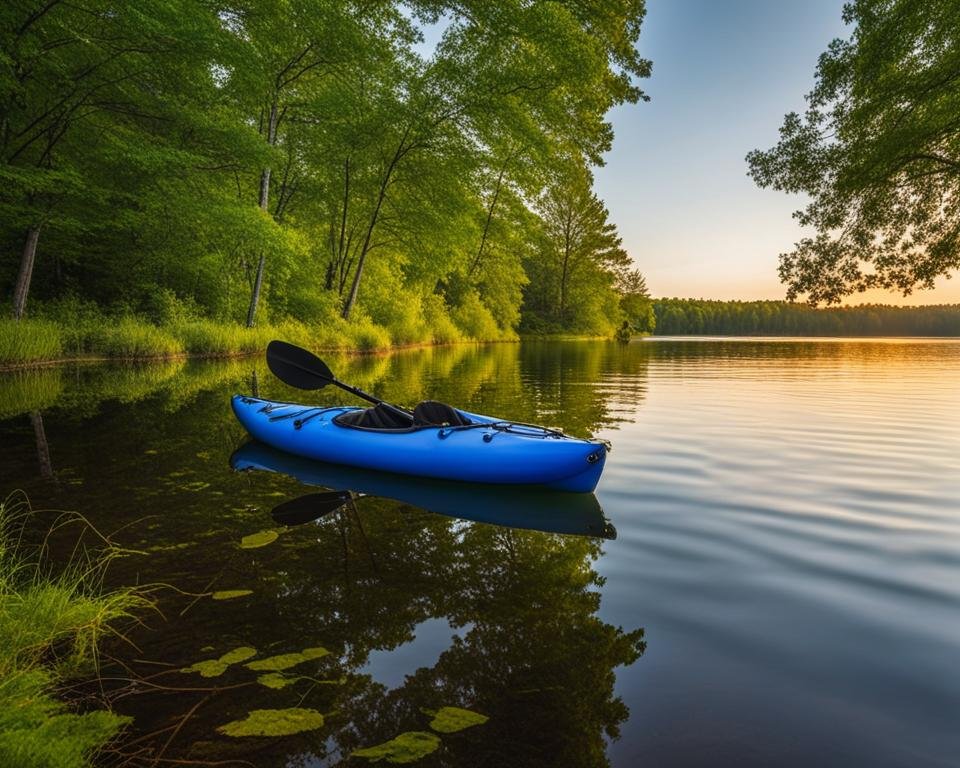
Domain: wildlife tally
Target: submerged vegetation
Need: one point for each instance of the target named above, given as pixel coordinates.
(51, 625)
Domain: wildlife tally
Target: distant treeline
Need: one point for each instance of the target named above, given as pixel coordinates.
(781, 318)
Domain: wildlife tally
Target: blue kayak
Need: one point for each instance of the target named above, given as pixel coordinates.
(435, 440)
(511, 506)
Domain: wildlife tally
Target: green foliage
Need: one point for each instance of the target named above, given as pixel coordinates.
(574, 272)
(453, 719)
(274, 722)
(780, 318)
(473, 318)
(259, 539)
(29, 341)
(442, 328)
(129, 337)
(286, 661)
(406, 748)
(163, 150)
(877, 152)
(29, 390)
(50, 627)
(216, 667)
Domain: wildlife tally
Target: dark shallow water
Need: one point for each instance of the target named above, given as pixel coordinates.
(784, 588)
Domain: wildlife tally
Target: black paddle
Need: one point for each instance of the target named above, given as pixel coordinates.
(305, 509)
(299, 368)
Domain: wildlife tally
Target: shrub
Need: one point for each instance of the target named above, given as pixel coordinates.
(442, 329)
(474, 319)
(367, 336)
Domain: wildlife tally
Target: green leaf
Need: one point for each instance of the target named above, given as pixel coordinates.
(406, 748)
(287, 660)
(453, 719)
(261, 539)
(216, 667)
(274, 722)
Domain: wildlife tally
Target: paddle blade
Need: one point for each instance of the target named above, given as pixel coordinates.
(306, 509)
(297, 367)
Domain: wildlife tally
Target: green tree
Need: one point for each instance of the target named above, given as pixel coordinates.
(573, 275)
(635, 301)
(878, 153)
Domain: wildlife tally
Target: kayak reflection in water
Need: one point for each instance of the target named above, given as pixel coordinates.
(510, 506)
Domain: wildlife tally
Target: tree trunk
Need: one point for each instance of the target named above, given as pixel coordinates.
(264, 201)
(43, 449)
(565, 271)
(402, 149)
(255, 296)
(27, 258)
(486, 225)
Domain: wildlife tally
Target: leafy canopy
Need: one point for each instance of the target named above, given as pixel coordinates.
(878, 152)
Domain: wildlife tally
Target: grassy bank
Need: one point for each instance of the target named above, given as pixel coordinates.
(94, 335)
(51, 623)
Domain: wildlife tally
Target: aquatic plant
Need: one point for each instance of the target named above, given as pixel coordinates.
(216, 667)
(285, 661)
(274, 722)
(406, 748)
(453, 719)
(52, 622)
(259, 539)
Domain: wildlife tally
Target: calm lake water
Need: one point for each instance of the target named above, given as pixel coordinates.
(783, 588)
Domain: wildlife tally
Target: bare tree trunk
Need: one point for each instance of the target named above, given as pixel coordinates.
(255, 295)
(264, 202)
(43, 449)
(27, 259)
(565, 272)
(402, 150)
(486, 226)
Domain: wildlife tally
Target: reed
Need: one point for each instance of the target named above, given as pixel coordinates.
(29, 341)
(52, 622)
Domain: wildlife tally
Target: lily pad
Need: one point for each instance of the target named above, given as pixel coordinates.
(274, 722)
(453, 719)
(406, 748)
(216, 667)
(230, 594)
(261, 539)
(287, 660)
(276, 680)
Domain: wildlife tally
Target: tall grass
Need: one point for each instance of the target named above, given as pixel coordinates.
(52, 622)
(130, 337)
(29, 341)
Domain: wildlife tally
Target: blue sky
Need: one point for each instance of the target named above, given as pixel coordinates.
(724, 74)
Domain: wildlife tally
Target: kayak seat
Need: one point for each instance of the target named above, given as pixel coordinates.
(380, 417)
(430, 413)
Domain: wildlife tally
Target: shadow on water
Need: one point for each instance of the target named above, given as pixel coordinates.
(372, 617)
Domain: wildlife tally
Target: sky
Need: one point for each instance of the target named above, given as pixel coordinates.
(724, 75)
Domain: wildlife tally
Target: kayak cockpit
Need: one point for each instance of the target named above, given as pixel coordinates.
(387, 418)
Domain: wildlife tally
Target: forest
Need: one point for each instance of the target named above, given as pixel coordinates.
(370, 173)
(781, 318)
